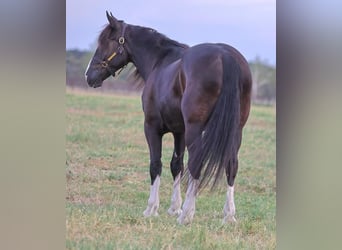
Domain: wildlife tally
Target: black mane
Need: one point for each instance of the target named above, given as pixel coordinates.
(160, 44)
(160, 40)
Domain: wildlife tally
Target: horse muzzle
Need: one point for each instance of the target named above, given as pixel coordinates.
(93, 80)
(95, 84)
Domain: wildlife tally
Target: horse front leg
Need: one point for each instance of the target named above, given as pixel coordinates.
(154, 140)
(177, 167)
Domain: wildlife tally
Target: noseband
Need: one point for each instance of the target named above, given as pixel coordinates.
(120, 50)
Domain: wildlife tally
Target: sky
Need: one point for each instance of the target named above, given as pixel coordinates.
(247, 25)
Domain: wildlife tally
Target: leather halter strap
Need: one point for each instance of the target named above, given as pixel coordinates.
(120, 49)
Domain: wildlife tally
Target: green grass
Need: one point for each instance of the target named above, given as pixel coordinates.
(108, 183)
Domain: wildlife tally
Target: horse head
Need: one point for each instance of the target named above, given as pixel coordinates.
(111, 53)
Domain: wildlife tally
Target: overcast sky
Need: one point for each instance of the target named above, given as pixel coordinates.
(248, 25)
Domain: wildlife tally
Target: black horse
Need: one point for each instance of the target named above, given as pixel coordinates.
(200, 94)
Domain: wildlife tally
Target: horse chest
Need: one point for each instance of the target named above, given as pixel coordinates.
(163, 111)
(170, 113)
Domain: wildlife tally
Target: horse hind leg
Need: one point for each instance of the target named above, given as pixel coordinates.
(189, 205)
(229, 206)
(231, 171)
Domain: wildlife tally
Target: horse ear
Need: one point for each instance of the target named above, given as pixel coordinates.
(112, 20)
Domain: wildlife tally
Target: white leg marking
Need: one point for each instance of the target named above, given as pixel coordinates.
(189, 204)
(229, 206)
(153, 201)
(176, 198)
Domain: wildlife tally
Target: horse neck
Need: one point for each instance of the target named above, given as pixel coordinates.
(145, 57)
(144, 62)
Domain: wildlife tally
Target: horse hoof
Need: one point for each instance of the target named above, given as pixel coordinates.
(229, 219)
(184, 220)
(149, 213)
(174, 212)
(146, 215)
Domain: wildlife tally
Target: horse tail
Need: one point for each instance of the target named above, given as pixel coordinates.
(220, 138)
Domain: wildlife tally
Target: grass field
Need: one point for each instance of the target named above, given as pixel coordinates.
(107, 171)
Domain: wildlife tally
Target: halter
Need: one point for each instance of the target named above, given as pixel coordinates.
(120, 50)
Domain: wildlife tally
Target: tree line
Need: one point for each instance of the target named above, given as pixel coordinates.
(263, 74)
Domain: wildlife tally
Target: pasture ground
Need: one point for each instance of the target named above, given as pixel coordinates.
(107, 171)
